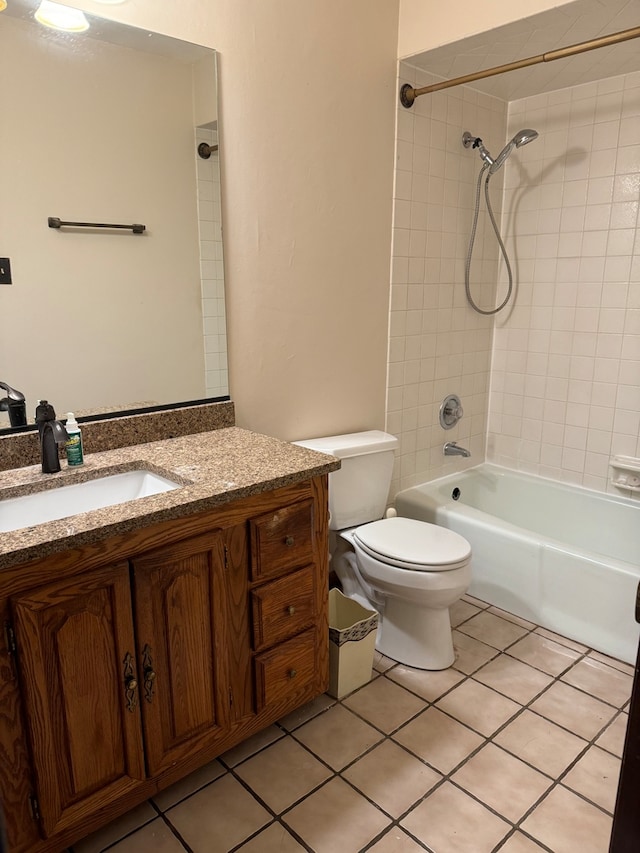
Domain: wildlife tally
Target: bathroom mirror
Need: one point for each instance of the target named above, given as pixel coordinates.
(103, 128)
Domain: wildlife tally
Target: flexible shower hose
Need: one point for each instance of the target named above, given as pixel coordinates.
(467, 267)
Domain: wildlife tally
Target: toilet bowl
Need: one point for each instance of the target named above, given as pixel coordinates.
(410, 571)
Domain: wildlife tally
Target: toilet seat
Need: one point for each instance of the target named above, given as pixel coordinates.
(414, 545)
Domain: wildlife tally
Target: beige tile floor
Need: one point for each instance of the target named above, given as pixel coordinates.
(516, 749)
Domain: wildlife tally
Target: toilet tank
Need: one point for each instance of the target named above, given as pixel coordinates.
(358, 491)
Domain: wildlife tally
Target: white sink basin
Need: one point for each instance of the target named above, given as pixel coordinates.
(64, 501)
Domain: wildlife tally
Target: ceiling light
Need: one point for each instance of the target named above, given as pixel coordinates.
(3, 5)
(61, 17)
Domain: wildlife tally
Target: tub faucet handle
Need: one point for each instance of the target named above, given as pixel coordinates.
(450, 411)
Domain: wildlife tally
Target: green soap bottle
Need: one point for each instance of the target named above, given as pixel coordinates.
(73, 446)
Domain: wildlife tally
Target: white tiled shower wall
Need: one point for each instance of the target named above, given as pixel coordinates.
(565, 366)
(211, 268)
(438, 345)
(565, 380)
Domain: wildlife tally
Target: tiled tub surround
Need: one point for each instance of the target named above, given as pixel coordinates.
(565, 360)
(215, 468)
(438, 345)
(515, 748)
(564, 392)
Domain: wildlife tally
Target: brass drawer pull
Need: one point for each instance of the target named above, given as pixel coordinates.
(289, 541)
(292, 673)
(291, 610)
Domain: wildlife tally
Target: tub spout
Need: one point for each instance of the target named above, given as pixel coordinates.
(452, 449)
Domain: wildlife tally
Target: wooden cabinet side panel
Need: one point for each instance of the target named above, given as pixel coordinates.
(237, 639)
(320, 489)
(16, 784)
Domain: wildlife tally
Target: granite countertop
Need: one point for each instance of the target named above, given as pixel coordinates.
(213, 468)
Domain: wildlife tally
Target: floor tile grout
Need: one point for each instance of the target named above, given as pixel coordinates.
(384, 669)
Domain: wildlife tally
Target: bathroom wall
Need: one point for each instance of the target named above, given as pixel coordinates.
(307, 101)
(425, 25)
(438, 345)
(308, 136)
(566, 367)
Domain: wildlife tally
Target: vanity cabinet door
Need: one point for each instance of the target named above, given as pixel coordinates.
(180, 629)
(75, 649)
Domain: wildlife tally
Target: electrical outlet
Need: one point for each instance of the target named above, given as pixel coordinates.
(5, 271)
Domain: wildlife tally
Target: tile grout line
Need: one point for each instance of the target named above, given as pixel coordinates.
(387, 673)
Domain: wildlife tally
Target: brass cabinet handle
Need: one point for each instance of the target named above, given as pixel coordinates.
(130, 683)
(149, 673)
(291, 610)
(289, 541)
(292, 673)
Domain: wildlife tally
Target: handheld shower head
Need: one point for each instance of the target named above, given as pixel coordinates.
(522, 137)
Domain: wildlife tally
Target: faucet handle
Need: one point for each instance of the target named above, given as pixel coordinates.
(45, 411)
(450, 411)
(454, 411)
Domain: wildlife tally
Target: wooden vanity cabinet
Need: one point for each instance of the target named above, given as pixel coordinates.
(135, 661)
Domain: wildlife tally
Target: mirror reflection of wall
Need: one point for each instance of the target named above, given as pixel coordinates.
(101, 131)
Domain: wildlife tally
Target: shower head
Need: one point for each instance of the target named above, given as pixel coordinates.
(522, 137)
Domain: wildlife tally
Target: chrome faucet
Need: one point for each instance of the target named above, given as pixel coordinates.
(52, 433)
(451, 449)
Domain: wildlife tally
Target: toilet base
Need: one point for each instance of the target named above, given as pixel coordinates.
(416, 636)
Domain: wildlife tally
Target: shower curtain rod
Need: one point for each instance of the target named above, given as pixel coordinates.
(408, 94)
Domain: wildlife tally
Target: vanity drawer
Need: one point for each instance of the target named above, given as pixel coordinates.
(282, 540)
(282, 608)
(286, 670)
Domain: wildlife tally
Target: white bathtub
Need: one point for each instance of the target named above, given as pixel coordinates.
(562, 556)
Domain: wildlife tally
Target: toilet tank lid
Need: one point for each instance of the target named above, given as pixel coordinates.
(352, 444)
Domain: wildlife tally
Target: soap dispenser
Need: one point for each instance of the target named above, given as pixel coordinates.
(73, 446)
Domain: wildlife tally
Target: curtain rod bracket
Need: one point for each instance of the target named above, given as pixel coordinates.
(205, 151)
(407, 95)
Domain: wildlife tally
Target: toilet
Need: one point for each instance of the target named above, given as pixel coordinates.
(410, 571)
